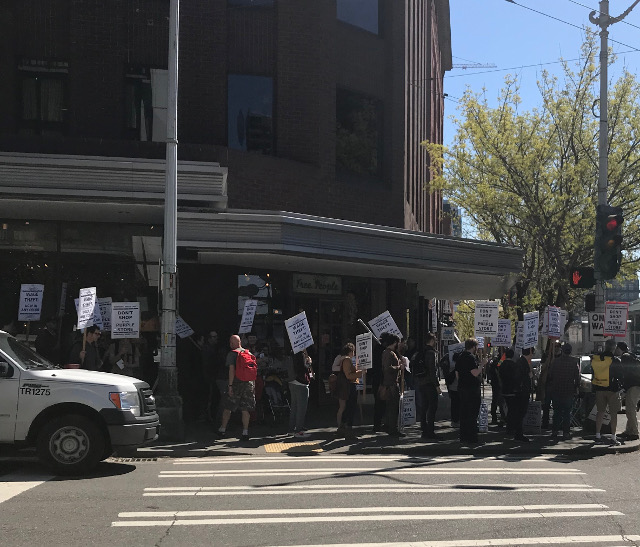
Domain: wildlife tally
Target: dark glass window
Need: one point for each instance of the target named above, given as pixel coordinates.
(360, 13)
(358, 133)
(145, 104)
(250, 113)
(43, 93)
(250, 2)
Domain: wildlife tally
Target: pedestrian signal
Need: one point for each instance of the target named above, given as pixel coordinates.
(582, 278)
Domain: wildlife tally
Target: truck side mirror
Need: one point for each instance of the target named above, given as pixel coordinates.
(6, 370)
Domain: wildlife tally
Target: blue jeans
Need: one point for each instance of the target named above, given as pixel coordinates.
(299, 402)
(561, 413)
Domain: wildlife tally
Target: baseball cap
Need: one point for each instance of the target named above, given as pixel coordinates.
(567, 348)
(623, 346)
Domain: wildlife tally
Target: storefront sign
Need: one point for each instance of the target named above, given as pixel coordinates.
(384, 323)
(182, 329)
(86, 307)
(104, 304)
(615, 318)
(248, 313)
(317, 284)
(299, 332)
(364, 351)
(486, 318)
(448, 334)
(503, 338)
(30, 302)
(531, 325)
(125, 320)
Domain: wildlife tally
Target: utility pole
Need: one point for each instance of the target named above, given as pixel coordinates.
(169, 402)
(604, 21)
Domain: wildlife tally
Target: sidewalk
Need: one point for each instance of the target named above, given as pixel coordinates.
(200, 439)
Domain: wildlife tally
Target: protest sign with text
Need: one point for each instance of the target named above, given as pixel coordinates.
(364, 351)
(486, 318)
(183, 330)
(86, 307)
(299, 332)
(30, 302)
(615, 318)
(519, 335)
(531, 325)
(104, 304)
(503, 338)
(384, 323)
(248, 314)
(125, 320)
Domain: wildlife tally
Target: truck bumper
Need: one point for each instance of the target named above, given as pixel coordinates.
(131, 435)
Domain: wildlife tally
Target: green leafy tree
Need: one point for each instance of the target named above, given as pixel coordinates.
(529, 178)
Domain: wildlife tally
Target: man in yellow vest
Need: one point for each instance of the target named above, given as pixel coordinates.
(607, 382)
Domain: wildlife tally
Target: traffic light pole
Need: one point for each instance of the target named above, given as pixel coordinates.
(604, 21)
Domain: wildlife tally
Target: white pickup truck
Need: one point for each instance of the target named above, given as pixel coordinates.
(75, 418)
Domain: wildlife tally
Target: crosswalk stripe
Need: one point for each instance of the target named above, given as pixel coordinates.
(495, 542)
(360, 472)
(379, 486)
(16, 483)
(350, 510)
(399, 459)
(364, 518)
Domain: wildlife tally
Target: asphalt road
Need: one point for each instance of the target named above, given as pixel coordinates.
(279, 499)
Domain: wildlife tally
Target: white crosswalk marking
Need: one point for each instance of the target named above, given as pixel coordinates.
(16, 483)
(373, 493)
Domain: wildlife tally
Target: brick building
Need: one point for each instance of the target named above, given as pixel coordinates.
(301, 178)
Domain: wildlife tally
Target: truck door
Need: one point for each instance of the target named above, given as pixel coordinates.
(9, 384)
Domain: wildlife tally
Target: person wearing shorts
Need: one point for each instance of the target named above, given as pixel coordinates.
(239, 395)
(606, 383)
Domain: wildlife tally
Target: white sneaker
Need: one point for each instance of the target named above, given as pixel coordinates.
(301, 435)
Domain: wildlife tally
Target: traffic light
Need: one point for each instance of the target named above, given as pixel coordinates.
(582, 278)
(608, 251)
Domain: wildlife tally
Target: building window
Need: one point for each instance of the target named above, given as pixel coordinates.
(43, 92)
(250, 2)
(358, 133)
(250, 113)
(359, 13)
(145, 96)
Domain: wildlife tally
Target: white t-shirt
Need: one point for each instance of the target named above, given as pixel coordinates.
(337, 362)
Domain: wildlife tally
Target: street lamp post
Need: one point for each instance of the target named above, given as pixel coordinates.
(169, 403)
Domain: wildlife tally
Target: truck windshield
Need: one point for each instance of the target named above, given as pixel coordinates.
(23, 354)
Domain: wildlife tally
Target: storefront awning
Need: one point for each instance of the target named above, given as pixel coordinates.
(442, 266)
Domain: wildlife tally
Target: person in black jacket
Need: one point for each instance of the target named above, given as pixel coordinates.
(497, 400)
(516, 388)
(631, 384)
(425, 375)
(469, 374)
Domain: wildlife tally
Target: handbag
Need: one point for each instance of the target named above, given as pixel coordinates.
(383, 393)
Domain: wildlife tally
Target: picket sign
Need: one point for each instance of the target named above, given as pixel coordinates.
(483, 417)
(408, 410)
(532, 421)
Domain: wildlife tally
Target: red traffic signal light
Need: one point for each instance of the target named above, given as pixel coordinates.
(608, 250)
(582, 278)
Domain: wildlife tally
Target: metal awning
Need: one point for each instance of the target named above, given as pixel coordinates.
(442, 266)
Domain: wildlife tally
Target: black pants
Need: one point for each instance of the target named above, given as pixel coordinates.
(352, 405)
(428, 407)
(455, 406)
(392, 408)
(379, 406)
(517, 405)
(469, 408)
(497, 401)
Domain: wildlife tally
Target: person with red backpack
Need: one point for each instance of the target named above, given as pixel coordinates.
(240, 394)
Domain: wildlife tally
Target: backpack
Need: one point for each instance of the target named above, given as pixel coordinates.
(246, 366)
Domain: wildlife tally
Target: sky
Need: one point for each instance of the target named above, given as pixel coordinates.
(511, 35)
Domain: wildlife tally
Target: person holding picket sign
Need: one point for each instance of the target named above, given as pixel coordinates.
(240, 394)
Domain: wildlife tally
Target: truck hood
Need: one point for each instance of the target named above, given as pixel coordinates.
(82, 376)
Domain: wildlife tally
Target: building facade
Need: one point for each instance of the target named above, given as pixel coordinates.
(302, 182)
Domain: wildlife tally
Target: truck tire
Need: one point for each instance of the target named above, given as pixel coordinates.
(70, 444)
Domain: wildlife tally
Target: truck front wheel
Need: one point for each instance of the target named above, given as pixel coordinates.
(70, 444)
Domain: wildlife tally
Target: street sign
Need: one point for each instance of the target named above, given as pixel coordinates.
(596, 326)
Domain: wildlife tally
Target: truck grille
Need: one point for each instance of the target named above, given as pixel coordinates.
(148, 401)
